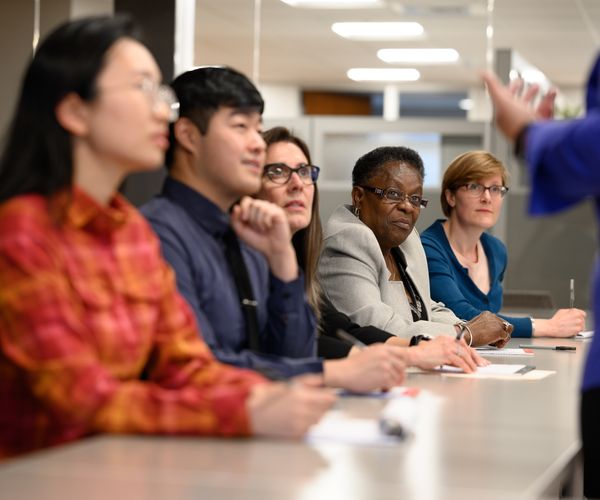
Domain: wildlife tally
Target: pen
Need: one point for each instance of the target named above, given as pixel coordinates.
(571, 293)
(350, 338)
(549, 347)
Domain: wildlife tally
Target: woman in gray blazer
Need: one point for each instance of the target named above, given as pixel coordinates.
(373, 267)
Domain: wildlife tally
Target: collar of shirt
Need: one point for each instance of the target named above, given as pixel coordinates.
(203, 211)
(85, 212)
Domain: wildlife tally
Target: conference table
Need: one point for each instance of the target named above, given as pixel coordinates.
(479, 438)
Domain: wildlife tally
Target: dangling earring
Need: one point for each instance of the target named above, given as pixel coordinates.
(356, 211)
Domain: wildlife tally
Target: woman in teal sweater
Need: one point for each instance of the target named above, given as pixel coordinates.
(467, 265)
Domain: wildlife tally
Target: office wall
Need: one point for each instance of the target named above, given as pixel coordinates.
(17, 35)
(545, 252)
(16, 42)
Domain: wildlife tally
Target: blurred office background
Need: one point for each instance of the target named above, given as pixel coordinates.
(301, 65)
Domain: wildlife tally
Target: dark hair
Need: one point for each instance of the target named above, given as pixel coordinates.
(202, 91)
(307, 241)
(369, 164)
(37, 157)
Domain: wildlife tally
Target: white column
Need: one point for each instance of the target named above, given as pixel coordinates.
(391, 103)
(185, 17)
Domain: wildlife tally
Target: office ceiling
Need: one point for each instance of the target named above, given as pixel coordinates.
(297, 46)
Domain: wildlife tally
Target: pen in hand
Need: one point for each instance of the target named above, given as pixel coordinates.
(350, 338)
(571, 293)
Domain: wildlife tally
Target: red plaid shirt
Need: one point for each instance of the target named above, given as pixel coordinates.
(94, 336)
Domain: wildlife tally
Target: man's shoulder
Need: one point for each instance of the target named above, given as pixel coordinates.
(164, 214)
(160, 208)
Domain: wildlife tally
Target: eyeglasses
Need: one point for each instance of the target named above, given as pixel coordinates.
(476, 190)
(280, 173)
(156, 93)
(392, 195)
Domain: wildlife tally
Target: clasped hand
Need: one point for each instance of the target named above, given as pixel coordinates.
(487, 328)
(263, 226)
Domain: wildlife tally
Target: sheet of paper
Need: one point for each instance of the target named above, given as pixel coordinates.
(497, 371)
(337, 426)
(532, 375)
(586, 334)
(404, 408)
(507, 351)
(493, 369)
(394, 392)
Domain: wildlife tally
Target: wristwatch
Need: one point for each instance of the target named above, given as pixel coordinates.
(415, 339)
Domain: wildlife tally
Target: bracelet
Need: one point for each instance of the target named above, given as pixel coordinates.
(532, 326)
(464, 327)
(415, 339)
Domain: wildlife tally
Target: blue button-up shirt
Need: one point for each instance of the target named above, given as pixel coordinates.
(191, 228)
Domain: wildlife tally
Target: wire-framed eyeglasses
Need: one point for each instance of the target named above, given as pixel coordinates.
(280, 173)
(475, 190)
(393, 195)
(157, 93)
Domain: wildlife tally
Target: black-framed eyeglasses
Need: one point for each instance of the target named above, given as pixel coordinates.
(475, 190)
(280, 173)
(393, 195)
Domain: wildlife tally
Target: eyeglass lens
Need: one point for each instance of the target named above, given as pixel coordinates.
(282, 173)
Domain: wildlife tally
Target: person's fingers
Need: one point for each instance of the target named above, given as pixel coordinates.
(516, 86)
(477, 359)
(467, 357)
(459, 362)
(309, 380)
(530, 93)
(545, 109)
(493, 85)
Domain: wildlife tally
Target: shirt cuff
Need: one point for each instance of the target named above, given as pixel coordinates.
(286, 295)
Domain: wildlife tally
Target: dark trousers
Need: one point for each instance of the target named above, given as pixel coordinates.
(590, 436)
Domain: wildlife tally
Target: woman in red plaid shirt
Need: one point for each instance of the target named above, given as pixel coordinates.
(93, 334)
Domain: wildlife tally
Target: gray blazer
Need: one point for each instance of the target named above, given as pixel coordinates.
(355, 278)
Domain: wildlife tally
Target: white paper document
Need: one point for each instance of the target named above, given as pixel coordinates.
(337, 426)
(397, 420)
(498, 371)
(493, 369)
(586, 334)
(507, 351)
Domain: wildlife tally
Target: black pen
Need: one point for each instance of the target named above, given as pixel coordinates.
(350, 338)
(549, 347)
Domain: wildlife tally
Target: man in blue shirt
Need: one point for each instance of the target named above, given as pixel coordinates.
(215, 162)
(562, 158)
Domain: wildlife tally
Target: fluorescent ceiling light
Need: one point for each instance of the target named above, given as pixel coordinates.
(334, 4)
(383, 74)
(378, 31)
(418, 56)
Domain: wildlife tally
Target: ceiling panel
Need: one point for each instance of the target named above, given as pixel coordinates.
(297, 46)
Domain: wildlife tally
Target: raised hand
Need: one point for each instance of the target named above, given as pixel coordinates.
(514, 108)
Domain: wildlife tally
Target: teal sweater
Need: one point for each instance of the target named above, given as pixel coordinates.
(451, 284)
